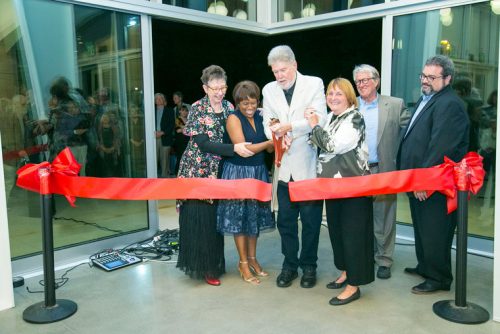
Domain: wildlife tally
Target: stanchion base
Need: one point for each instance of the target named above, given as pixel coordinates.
(40, 314)
(470, 314)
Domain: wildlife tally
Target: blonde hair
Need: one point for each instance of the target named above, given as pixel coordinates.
(346, 87)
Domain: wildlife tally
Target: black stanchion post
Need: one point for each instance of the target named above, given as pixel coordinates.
(460, 310)
(52, 309)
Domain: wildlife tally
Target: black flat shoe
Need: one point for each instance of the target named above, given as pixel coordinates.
(336, 302)
(428, 286)
(335, 285)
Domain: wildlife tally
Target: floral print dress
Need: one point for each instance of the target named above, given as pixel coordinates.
(203, 120)
(201, 252)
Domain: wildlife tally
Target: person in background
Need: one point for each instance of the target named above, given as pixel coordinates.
(285, 100)
(385, 117)
(165, 121)
(67, 123)
(137, 142)
(108, 146)
(201, 252)
(12, 145)
(439, 128)
(487, 133)
(245, 219)
(462, 84)
(180, 139)
(178, 99)
(344, 153)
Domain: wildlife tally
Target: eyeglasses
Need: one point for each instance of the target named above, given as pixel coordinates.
(362, 81)
(429, 78)
(222, 89)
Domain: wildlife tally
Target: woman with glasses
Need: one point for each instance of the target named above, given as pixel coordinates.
(201, 253)
(344, 153)
(245, 219)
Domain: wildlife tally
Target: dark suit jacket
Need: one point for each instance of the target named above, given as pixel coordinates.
(441, 129)
(167, 125)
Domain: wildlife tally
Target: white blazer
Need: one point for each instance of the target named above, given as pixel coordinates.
(299, 162)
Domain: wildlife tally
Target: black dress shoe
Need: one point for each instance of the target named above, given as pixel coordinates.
(335, 285)
(336, 302)
(383, 272)
(428, 286)
(308, 279)
(285, 278)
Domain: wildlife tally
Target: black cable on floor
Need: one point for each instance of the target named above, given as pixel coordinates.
(59, 282)
(90, 224)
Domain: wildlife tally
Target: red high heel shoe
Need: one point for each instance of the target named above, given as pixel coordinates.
(212, 281)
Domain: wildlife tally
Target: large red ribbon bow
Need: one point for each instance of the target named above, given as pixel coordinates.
(468, 175)
(34, 177)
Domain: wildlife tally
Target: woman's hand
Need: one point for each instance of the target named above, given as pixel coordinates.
(242, 151)
(311, 116)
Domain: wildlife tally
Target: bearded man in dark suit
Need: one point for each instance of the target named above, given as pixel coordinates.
(438, 128)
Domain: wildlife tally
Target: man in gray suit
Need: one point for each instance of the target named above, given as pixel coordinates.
(286, 100)
(385, 117)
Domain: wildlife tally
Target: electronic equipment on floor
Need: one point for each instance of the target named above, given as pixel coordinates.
(112, 260)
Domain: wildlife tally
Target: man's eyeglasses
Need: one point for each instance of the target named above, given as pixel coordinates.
(429, 78)
(222, 89)
(362, 81)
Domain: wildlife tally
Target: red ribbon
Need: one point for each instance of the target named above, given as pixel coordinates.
(63, 180)
(278, 149)
(447, 178)
(14, 155)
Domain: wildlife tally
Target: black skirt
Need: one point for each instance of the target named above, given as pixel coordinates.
(201, 250)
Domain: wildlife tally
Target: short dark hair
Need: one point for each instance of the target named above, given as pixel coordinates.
(445, 63)
(492, 97)
(213, 72)
(179, 94)
(244, 90)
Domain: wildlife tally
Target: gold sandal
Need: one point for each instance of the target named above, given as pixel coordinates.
(252, 280)
(262, 273)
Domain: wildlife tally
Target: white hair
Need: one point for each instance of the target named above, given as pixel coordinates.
(280, 53)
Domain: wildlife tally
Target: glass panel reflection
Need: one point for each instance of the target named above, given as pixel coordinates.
(73, 78)
(240, 9)
(294, 9)
(469, 35)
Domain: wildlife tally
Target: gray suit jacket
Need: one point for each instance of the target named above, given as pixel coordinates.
(299, 162)
(393, 118)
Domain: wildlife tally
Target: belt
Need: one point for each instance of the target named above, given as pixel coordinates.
(373, 164)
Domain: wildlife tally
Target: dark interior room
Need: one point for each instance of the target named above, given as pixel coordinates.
(181, 51)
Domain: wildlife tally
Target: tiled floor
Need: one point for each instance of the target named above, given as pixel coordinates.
(154, 297)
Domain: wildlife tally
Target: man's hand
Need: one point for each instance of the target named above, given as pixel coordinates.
(420, 195)
(280, 129)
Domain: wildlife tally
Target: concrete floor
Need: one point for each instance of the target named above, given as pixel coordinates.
(155, 297)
